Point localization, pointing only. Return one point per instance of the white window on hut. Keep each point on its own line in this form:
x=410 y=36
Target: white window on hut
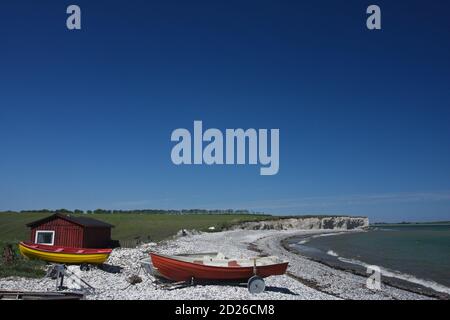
x=45 y=237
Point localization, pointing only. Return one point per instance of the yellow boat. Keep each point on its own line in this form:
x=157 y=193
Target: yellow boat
x=64 y=254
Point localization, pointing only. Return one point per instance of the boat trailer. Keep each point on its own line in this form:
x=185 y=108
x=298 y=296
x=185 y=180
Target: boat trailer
x=59 y=272
x=255 y=284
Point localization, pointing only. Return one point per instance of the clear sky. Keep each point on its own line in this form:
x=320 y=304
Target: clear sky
x=86 y=116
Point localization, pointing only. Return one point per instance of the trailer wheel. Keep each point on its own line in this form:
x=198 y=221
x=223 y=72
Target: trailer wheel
x=256 y=285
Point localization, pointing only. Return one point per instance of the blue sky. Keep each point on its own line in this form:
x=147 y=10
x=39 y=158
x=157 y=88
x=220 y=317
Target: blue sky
x=86 y=116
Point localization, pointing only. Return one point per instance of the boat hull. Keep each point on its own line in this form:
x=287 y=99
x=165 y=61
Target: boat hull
x=177 y=270
x=90 y=257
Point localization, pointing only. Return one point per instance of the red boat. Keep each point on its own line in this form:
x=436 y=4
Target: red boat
x=215 y=266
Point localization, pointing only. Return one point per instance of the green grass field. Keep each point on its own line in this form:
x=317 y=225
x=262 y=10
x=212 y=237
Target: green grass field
x=21 y=267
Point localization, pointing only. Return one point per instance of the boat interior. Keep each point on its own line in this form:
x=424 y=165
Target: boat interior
x=218 y=259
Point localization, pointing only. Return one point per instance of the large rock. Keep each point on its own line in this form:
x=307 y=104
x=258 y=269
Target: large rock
x=307 y=223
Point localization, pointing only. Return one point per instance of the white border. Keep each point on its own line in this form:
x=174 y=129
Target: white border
x=53 y=237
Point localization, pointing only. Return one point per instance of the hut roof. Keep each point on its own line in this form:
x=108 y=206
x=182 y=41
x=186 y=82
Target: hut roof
x=82 y=221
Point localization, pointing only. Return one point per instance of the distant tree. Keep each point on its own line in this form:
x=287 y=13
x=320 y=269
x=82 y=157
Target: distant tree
x=150 y=211
x=102 y=211
x=65 y=211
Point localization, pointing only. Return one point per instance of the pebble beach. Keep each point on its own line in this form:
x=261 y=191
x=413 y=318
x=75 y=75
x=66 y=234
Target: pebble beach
x=305 y=279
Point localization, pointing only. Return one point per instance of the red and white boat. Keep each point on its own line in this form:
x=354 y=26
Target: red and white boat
x=215 y=267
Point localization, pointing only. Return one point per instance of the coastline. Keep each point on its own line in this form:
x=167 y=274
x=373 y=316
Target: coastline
x=340 y=282
x=312 y=280
x=360 y=270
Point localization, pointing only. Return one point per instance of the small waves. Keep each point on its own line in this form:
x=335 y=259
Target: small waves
x=332 y=253
x=402 y=276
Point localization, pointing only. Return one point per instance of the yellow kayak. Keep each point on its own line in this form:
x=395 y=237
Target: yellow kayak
x=64 y=254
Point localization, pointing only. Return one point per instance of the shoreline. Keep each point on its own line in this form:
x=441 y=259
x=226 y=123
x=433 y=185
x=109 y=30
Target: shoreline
x=327 y=279
x=359 y=270
x=313 y=281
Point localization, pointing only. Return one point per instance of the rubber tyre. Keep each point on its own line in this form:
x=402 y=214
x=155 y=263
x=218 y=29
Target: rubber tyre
x=256 y=285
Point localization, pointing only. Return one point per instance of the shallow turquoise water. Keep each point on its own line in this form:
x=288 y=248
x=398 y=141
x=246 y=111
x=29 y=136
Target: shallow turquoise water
x=422 y=251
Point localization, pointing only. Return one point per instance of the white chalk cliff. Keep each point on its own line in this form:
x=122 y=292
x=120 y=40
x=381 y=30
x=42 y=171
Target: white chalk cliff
x=307 y=223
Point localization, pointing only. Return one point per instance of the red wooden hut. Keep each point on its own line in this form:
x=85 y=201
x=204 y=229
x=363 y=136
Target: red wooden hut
x=70 y=231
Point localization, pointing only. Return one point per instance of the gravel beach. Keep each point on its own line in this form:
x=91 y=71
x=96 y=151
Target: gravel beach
x=305 y=279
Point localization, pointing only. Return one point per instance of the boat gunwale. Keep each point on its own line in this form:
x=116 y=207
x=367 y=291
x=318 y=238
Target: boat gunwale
x=171 y=257
x=87 y=251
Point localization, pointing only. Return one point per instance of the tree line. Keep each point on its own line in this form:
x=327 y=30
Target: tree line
x=140 y=211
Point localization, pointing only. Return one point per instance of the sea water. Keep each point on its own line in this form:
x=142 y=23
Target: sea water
x=417 y=253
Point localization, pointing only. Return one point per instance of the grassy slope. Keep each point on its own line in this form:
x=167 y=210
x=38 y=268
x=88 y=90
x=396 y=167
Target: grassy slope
x=127 y=226
x=21 y=267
